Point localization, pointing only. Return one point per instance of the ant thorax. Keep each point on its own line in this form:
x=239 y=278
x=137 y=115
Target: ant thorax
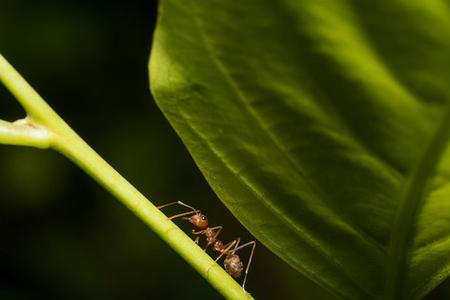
x=211 y=235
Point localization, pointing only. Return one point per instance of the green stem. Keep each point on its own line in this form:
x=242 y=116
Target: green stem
x=24 y=133
x=63 y=139
x=409 y=209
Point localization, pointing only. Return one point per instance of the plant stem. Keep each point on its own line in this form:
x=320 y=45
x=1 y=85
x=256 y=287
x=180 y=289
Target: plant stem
x=24 y=133
x=63 y=139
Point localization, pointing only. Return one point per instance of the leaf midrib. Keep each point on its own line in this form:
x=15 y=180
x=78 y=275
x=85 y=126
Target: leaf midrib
x=409 y=209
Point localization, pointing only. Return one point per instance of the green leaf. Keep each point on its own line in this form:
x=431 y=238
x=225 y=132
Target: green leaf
x=311 y=119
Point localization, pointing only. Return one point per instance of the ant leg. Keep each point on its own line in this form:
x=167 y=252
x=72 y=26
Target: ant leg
x=197 y=233
x=227 y=248
x=237 y=244
x=218 y=228
x=253 y=243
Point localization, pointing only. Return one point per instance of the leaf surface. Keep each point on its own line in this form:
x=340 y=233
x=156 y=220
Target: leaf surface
x=308 y=118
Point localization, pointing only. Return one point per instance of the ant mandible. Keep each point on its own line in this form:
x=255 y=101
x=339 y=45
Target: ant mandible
x=232 y=263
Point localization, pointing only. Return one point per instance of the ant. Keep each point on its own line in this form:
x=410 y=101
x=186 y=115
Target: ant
x=232 y=263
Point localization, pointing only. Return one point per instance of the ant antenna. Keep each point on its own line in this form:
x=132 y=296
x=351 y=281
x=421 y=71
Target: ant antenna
x=179 y=203
x=193 y=210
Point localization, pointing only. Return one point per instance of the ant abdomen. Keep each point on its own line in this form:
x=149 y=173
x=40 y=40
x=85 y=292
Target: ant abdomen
x=233 y=265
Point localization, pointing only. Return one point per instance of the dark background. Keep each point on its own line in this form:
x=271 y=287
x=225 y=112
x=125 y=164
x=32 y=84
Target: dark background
x=61 y=235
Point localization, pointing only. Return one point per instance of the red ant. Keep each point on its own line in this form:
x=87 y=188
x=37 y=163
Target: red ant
x=232 y=263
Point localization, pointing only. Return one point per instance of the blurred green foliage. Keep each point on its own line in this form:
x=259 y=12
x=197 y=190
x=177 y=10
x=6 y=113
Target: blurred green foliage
x=61 y=235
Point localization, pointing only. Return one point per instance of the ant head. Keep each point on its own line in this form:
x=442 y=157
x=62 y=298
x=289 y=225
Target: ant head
x=199 y=220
